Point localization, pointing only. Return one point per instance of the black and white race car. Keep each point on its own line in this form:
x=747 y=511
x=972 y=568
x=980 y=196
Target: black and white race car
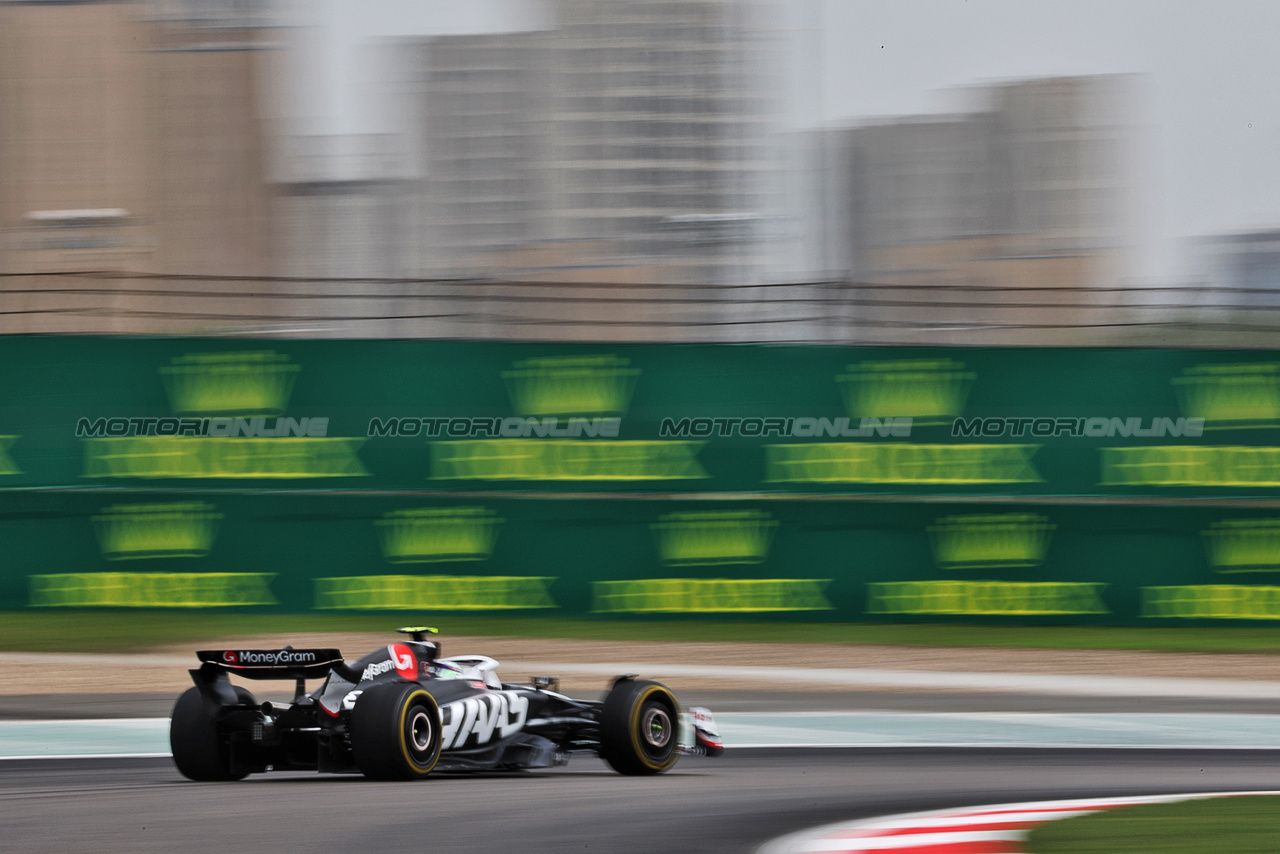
x=401 y=712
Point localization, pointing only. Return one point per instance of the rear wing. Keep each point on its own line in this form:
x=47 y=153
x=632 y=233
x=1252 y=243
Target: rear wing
x=287 y=663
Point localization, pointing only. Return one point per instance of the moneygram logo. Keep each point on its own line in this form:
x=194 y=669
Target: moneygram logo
x=402 y=661
x=271 y=658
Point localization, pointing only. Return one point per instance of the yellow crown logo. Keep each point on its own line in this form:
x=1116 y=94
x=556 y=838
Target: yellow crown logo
x=714 y=538
x=990 y=541
x=928 y=391
x=245 y=383
x=132 y=531
x=438 y=534
x=1231 y=396
x=571 y=385
x=1244 y=545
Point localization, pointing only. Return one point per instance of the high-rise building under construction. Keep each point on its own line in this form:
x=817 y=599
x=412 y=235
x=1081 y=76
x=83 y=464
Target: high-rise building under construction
x=631 y=135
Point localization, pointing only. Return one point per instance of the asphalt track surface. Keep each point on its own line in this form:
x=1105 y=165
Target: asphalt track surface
x=71 y=706
x=733 y=803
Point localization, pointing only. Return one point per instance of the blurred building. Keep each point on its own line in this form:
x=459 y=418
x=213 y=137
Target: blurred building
x=1249 y=259
x=1030 y=193
x=208 y=63
x=663 y=126
x=641 y=126
x=486 y=151
x=1044 y=167
x=617 y=175
x=345 y=209
x=74 y=180
x=919 y=182
x=131 y=139
x=345 y=212
x=1241 y=271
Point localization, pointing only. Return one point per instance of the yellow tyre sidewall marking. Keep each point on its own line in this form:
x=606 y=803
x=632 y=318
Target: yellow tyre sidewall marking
x=635 y=725
x=404 y=740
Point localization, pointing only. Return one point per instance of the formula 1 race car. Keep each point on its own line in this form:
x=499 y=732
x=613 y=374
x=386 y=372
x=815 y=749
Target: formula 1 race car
x=401 y=712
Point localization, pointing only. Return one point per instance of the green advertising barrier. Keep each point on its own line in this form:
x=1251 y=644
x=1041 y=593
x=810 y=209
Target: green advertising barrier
x=471 y=417
x=643 y=558
x=641 y=480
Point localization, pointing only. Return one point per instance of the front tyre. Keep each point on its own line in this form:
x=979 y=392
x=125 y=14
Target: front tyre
x=638 y=733
x=200 y=750
x=395 y=732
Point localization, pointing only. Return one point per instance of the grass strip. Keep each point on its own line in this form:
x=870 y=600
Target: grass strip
x=1239 y=825
x=130 y=630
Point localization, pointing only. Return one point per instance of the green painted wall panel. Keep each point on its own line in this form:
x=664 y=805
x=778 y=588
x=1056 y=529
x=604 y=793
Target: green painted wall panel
x=739 y=418
x=279 y=474
x=818 y=560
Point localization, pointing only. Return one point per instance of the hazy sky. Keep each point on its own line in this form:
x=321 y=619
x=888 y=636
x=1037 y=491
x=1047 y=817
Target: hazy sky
x=1208 y=99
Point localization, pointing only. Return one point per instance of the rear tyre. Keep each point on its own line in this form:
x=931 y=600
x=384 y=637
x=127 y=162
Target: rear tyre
x=638 y=733
x=200 y=750
x=395 y=732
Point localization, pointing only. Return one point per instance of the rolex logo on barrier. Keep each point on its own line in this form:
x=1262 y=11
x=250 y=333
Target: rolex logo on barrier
x=991 y=541
x=438 y=534
x=931 y=391
x=710 y=595
x=434 y=592
x=714 y=538
x=133 y=531
x=242 y=383
x=571 y=385
x=987 y=598
x=151 y=589
x=1244 y=545
x=1212 y=602
x=1231 y=396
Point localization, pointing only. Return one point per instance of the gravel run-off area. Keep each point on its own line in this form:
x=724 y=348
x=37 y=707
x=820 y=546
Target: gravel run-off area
x=165 y=669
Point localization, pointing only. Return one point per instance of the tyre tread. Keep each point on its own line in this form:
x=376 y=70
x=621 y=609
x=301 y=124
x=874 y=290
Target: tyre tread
x=199 y=751
x=376 y=739
x=617 y=745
